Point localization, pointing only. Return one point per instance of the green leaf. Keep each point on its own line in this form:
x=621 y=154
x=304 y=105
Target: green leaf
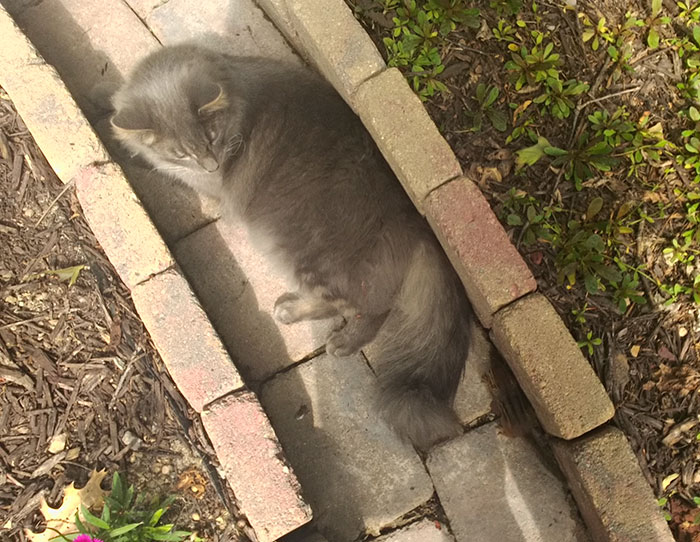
x=492 y=95
x=124 y=529
x=555 y=151
x=514 y=220
x=594 y=207
x=653 y=38
x=93 y=520
x=693 y=113
x=530 y=155
x=498 y=119
x=655 y=7
x=69 y=274
x=696 y=34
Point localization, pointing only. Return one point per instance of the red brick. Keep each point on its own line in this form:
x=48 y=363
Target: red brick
x=493 y=272
x=613 y=496
x=186 y=340
x=564 y=391
x=264 y=485
x=120 y=224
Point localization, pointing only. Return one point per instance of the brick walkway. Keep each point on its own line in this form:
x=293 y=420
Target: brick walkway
x=354 y=472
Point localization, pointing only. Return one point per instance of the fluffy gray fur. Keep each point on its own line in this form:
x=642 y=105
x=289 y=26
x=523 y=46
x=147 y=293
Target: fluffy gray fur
x=284 y=153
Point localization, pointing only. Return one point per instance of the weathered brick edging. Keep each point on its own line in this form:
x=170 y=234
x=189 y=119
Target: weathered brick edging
x=569 y=399
x=269 y=494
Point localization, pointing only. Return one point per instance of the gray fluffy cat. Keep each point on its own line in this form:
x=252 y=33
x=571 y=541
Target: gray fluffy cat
x=284 y=153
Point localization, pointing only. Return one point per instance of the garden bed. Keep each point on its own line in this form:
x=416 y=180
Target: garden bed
x=82 y=385
x=580 y=127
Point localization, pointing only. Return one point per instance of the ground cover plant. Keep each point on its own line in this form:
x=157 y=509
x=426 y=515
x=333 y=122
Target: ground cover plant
x=581 y=123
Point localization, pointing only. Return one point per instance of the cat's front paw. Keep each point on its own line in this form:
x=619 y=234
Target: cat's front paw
x=285 y=310
x=340 y=344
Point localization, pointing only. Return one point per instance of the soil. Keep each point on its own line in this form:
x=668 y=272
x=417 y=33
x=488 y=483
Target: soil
x=81 y=385
x=648 y=357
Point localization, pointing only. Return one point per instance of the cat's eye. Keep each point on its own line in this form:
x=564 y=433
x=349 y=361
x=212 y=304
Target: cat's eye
x=179 y=154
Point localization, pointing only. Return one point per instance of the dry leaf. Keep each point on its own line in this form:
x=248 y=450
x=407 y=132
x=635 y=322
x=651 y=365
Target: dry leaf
x=635 y=350
x=667 y=481
x=62 y=519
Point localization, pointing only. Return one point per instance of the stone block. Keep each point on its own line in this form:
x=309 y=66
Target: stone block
x=73 y=36
x=335 y=42
x=120 y=224
x=493 y=487
x=565 y=392
x=613 y=496
x=265 y=487
x=421 y=531
x=238 y=287
x=46 y=107
x=356 y=473
x=190 y=348
x=493 y=272
x=406 y=135
x=473 y=399
x=236 y=27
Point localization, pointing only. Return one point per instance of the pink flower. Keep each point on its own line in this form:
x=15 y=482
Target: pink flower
x=86 y=538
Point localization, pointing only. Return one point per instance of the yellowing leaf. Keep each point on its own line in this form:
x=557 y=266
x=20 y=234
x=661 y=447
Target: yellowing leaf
x=667 y=481
x=69 y=274
x=62 y=519
x=635 y=350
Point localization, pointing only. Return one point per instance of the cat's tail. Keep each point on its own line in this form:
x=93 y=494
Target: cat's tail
x=420 y=352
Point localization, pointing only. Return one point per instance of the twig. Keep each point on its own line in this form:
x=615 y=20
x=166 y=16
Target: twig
x=55 y=200
x=608 y=96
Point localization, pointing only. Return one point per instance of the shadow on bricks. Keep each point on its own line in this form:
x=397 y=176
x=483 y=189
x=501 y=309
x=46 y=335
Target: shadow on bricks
x=90 y=74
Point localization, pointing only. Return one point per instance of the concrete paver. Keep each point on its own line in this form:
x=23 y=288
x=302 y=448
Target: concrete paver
x=186 y=340
x=265 y=487
x=356 y=474
x=610 y=489
x=406 y=135
x=473 y=398
x=493 y=487
x=231 y=26
x=349 y=55
x=566 y=394
x=493 y=272
x=421 y=531
x=72 y=36
x=125 y=231
x=238 y=288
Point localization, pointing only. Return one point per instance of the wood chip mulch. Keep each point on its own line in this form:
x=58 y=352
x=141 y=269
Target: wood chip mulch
x=81 y=385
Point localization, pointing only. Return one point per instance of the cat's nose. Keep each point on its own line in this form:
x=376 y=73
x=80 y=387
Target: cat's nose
x=208 y=163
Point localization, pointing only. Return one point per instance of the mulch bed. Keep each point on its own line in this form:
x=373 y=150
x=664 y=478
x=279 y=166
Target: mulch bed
x=81 y=385
x=649 y=357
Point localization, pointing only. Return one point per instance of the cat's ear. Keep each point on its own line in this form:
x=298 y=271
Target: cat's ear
x=209 y=97
x=128 y=123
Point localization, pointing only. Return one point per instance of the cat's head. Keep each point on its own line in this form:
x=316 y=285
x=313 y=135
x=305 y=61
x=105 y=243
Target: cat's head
x=174 y=120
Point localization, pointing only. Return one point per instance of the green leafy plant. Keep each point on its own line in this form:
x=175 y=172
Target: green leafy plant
x=615 y=129
x=597 y=33
x=590 y=342
x=127 y=517
x=654 y=22
x=418 y=34
x=533 y=66
x=689 y=10
x=486 y=97
x=557 y=96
